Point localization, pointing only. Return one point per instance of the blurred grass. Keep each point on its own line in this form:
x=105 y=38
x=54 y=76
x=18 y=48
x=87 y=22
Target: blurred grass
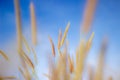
x=64 y=67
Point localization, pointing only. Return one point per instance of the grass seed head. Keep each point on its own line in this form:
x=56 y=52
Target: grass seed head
x=33 y=24
x=59 y=38
x=65 y=34
x=52 y=45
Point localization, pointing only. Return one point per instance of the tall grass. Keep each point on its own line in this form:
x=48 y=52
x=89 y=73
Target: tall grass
x=64 y=67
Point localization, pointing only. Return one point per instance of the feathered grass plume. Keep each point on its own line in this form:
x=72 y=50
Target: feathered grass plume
x=63 y=66
x=26 y=63
x=89 y=42
x=33 y=24
x=88 y=15
x=71 y=64
x=80 y=65
x=18 y=24
x=59 y=38
x=65 y=34
x=52 y=45
x=99 y=72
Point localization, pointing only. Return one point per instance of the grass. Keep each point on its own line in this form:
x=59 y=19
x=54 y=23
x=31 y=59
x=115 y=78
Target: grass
x=64 y=67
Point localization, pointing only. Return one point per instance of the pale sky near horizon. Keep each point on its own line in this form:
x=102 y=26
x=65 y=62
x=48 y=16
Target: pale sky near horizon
x=51 y=15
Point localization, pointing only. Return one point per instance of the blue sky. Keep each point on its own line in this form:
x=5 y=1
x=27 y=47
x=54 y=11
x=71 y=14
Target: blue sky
x=51 y=15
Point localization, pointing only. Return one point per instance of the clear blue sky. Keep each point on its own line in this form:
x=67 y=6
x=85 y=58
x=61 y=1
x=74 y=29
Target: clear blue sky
x=51 y=15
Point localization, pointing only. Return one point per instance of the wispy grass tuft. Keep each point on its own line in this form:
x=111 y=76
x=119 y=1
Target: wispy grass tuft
x=63 y=66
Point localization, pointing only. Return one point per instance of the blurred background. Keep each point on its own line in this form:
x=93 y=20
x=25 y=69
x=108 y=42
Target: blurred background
x=51 y=15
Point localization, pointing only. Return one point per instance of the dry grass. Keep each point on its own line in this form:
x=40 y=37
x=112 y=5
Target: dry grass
x=52 y=45
x=33 y=24
x=26 y=44
x=7 y=78
x=99 y=71
x=71 y=64
x=4 y=55
x=35 y=56
x=88 y=15
x=59 y=38
x=27 y=64
x=18 y=24
x=63 y=66
x=65 y=34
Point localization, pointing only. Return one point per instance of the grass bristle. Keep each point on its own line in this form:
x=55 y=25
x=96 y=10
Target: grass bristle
x=26 y=44
x=35 y=56
x=4 y=55
x=27 y=60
